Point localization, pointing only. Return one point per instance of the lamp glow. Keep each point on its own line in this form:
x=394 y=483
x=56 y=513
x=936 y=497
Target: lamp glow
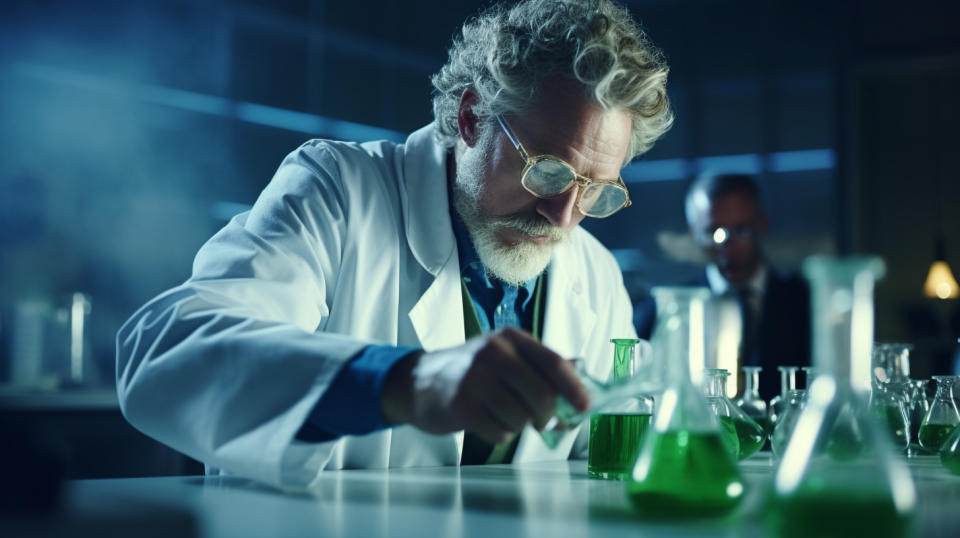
x=940 y=282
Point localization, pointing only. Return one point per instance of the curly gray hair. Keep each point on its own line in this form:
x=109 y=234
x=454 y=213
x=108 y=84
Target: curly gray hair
x=505 y=53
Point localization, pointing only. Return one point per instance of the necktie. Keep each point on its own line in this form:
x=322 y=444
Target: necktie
x=748 y=341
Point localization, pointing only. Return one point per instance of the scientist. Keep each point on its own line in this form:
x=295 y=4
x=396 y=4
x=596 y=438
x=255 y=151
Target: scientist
x=380 y=299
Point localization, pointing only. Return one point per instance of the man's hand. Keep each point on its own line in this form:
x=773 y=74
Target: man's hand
x=492 y=385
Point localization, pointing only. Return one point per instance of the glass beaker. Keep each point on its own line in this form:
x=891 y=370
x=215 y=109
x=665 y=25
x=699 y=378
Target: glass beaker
x=683 y=470
x=751 y=403
x=942 y=417
x=839 y=476
x=788 y=382
x=745 y=436
x=794 y=402
x=616 y=433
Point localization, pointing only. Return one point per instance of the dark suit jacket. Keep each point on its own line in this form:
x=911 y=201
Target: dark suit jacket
x=783 y=332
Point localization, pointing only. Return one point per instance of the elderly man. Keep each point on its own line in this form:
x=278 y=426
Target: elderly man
x=381 y=299
x=725 y=217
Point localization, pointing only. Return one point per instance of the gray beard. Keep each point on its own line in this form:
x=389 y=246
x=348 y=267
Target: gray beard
x=513 y=264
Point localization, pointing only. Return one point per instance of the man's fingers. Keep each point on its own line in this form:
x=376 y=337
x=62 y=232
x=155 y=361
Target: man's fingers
x=532 y=389
x=484 y=424
x=551 y=366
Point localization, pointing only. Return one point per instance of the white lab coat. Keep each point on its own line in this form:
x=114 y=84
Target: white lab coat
x=348 y=245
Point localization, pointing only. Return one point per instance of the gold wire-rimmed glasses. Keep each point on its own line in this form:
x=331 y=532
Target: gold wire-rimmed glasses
x=546 y=176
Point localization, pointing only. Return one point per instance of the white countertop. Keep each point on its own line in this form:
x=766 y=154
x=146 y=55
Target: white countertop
x=549 y=499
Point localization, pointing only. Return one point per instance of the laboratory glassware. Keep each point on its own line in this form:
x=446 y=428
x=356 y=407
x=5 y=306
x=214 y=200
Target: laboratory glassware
x=793 y=406
x=751 y=403
x=788 y=382
x=744 y=436
x=617 y=432
x=839 y=475
x=942 y=417
x=684 y=470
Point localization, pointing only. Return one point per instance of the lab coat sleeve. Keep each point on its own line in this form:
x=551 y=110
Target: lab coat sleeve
x=226 y=367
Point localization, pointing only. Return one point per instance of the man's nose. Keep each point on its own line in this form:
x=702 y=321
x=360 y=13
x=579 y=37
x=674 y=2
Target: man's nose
x=561 y=210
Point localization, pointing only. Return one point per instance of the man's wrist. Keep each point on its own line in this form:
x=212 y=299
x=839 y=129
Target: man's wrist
x=396 y=399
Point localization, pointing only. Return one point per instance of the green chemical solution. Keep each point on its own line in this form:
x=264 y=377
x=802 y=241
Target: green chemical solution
x=764 y=423
x=751 y=436
x=686 y=475
x=897 y=427
x=932 y=436
x=836 y=512
x=615 y=441
x=845 y=442
x=950 y=452
x=728 y=433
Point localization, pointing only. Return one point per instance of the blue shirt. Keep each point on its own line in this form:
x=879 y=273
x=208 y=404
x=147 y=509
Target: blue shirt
x=351 y=404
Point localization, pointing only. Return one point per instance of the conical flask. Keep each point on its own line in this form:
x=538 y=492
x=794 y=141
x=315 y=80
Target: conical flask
x=788 y=382
x=942 y=417
x=747 y=436
x=839 y=475
x=950 y=452
x=751 y=403
x=616 y=433
x=792 y=409
x=683 y=470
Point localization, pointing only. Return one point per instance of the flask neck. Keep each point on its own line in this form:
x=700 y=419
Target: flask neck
x=788 y=380
x=751 y=384
x=715 y=384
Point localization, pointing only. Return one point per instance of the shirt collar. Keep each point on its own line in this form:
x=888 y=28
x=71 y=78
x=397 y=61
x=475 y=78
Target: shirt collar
x=719 y=285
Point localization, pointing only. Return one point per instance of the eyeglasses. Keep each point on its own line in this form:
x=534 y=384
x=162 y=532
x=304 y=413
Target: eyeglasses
x=721 y=236
x=546 y=176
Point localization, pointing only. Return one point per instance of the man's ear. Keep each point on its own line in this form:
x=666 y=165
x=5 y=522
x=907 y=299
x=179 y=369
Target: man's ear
x=467 y=120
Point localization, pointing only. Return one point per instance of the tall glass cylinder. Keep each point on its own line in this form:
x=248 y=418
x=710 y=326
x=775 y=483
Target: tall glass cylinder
x=839 y=475
x=616 y=433
x=684 y=470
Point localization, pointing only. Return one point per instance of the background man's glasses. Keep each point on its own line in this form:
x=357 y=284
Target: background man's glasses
x=546 y=176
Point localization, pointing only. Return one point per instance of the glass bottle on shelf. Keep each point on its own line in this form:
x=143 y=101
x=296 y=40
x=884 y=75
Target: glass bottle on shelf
x=788 y=382
x=942 y=417
x=743 y=435
x=839 y=475
x=751 y=403
x=795 y=400
x=616 y=433
x=683 y=470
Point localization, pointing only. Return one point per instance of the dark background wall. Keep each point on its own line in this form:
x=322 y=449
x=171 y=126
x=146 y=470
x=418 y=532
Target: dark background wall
x=132 y=130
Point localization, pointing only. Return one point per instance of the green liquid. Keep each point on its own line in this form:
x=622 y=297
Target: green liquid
x=845 y=442
x=836 y=513
x=728 y=433
x=751 y=435
x=615 y=441
x=897 y=427
x=764 y=423
x=932 y=436
x=950 y=452
x=685 y=475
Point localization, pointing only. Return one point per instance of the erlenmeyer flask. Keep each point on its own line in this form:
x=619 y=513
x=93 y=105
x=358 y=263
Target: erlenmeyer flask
x=788 y=382
x=839 y=476
x=795 y=400
x=942 y=417
x=744 y=434
x=950 y=452
x=683 y=470
x=751 y=403
x=889 y=404
x=919 y=407
x=616 y=433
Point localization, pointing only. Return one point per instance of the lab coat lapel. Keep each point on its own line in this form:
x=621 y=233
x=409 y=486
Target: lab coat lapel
x=568 y=324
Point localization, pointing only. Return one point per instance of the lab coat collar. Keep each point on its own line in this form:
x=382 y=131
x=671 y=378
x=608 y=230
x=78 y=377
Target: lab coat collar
x=423 y=198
